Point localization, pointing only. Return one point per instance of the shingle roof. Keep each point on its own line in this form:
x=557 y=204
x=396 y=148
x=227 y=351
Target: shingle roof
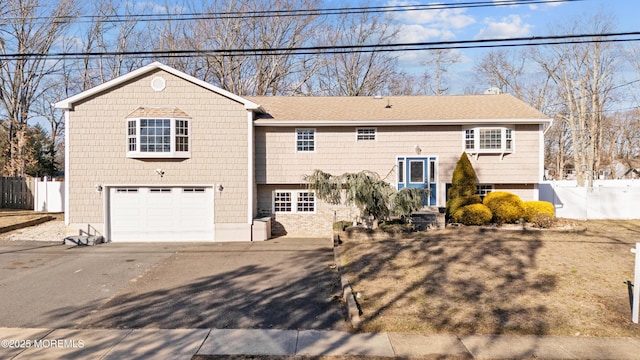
x=396 y=108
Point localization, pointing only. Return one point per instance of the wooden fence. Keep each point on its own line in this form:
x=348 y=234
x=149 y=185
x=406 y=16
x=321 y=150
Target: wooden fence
x=17 y=193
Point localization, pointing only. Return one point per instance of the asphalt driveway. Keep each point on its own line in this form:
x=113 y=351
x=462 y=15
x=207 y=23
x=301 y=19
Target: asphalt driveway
x=277 y=284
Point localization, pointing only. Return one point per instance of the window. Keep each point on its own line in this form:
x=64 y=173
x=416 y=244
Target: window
x=158 y=191
x=306 y=202
x=432 y=170
x=488 y=140
x=282 y=201
x=291 y=201
x=366 y=134
x=483 y=190
x=416 y=171
x=400 y=171
x=154 y=138
x=469 y=140
x=305 y=139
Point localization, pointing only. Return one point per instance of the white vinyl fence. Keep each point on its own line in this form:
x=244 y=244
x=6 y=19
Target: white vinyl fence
x=48 y=196
x=607 y=199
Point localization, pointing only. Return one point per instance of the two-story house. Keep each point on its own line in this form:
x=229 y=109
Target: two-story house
x=158 y=155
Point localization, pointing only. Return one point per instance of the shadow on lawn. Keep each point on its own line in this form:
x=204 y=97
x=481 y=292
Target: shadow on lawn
x=300 y=292
x=461 y=282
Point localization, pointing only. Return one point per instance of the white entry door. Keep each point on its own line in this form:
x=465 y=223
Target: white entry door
x=161 y=214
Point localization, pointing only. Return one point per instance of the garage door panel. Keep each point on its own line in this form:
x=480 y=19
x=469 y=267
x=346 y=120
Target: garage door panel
x=161 y=214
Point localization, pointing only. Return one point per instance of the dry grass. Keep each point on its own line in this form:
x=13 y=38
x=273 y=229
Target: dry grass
x=483 y=281
x=11 y=217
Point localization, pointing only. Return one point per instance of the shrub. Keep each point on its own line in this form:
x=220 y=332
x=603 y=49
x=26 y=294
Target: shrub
x=463 y=180
x=533 y=208
x=342 y=225
x=454 y=204
x=543 y=220
x=505 y=207
x=475 y=214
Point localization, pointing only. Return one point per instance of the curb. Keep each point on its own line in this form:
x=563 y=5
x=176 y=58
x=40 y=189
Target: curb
x=25 y=224
x=353 y=311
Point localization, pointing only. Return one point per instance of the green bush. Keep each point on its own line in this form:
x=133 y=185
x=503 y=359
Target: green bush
x=475 y=214
x=463 y=180
x=505 y=207
x=454 y=204
x=533 y=208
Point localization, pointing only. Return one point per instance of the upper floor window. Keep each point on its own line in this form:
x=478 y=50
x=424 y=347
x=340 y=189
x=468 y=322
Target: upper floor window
x=365 y=134
x=158 y=138
x=489 y=139
x=305 y=139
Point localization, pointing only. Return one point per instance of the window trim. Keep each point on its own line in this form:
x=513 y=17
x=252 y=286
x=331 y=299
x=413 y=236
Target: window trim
x=472 y=134
x=137 y=154
x=298 y=149
x=294 y=196
x=366 y=137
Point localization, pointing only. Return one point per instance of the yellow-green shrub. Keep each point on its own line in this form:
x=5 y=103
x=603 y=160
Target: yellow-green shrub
x=505 y=206
x=454 y=204
x=475 y=214
x=533 y=208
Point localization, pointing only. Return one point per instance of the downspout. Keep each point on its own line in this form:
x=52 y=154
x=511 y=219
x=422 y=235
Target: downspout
x=66 y=166
x=250 y=172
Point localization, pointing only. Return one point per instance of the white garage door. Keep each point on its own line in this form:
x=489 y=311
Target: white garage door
x=161 y=213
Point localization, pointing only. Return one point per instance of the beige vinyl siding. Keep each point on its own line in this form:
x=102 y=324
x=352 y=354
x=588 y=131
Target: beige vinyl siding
x=98 y=145
x=337 y=151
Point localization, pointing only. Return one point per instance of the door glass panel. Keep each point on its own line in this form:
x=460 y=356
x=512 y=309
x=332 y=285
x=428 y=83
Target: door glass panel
x=416 y=172
x=432 y=171
x=400 y=171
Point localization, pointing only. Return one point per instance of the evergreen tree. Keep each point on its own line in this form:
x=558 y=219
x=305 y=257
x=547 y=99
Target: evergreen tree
x=463 y=182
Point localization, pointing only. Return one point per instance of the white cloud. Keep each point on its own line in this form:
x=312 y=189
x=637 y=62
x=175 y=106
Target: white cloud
x=418 y=33
x=510 y=26
x=449 y=18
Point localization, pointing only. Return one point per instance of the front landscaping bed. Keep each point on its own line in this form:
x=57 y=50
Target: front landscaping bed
x=472 y=280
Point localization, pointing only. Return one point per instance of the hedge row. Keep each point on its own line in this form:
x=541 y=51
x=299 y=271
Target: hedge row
x=500 y=207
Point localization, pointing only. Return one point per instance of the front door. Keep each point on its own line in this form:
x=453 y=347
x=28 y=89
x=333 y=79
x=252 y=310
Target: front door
x=418 y=172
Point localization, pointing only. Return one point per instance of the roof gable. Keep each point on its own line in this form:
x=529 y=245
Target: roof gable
x=68 y=104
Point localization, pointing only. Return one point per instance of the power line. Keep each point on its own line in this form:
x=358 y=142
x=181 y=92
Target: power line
x=117 y=18
x=339 y=49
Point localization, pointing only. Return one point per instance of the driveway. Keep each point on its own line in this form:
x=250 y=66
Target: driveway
x=279 y=284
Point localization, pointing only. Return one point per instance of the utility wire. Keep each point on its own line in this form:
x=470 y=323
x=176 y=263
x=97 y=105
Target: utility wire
x=338 y=49
x=117 y=18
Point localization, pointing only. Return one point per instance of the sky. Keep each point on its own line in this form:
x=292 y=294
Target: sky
x=500 y=22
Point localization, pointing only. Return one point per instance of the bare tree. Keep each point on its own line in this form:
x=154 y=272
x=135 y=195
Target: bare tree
x=279 y=73
x=31 y=27
x=438 y=62
x=583 y=74
x=355 y=73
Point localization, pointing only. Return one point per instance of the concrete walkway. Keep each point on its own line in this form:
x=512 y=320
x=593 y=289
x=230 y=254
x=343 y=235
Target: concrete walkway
x=20 y=343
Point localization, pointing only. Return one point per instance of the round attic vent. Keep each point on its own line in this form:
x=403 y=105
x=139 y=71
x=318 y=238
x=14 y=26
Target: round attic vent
x=158 y=83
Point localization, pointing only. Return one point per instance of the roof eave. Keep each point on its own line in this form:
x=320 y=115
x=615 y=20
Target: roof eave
x=273 y=122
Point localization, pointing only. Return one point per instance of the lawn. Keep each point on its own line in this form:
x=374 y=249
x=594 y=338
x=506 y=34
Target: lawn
x=469 y=280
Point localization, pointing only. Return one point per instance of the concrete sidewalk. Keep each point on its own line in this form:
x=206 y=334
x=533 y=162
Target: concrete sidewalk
x=20 y=343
